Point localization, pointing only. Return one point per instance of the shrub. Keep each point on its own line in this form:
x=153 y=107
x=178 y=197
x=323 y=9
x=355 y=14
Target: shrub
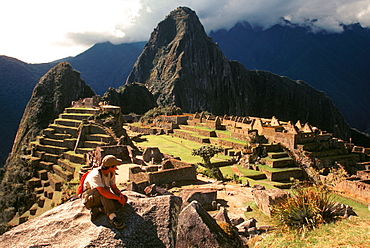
x=206 y=153
x=305 y=209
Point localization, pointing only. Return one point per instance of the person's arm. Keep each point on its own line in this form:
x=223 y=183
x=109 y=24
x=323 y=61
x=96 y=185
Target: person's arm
x=108 y=194
x=123 y=198
x=115 y=189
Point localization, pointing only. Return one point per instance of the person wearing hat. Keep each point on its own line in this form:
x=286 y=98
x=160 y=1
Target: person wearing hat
x=101 y=194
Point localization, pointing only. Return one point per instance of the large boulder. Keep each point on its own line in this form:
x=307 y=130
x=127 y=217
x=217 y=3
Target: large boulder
x=266 y=198
x=151 y=222
x=206 y=197
x=196 y=228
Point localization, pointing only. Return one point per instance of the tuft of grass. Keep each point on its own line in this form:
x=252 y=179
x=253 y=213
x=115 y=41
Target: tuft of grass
x=305 y=209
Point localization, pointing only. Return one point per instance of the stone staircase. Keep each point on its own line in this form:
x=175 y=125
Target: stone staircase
x=58 y=160
x=277 y=164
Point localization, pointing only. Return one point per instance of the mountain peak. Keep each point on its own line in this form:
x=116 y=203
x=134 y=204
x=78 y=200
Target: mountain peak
x=55 y=91
x=181 y=66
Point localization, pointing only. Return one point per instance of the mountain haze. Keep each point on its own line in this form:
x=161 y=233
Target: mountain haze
x=182 y=66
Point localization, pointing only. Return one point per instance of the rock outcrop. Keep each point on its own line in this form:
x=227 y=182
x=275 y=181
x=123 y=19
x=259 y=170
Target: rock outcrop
x=151 y=222
x=182 y=66
x=132 y=98
x=198 y=229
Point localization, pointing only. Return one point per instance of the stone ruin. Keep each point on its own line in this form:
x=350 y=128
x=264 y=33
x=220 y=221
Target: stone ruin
x=94 y=158
x=280 y=144
x=206 y=197
x=169 y=171
x=358 y=186
x=153 y=155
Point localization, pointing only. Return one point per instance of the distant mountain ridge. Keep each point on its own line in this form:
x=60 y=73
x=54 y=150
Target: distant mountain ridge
x=336 y=63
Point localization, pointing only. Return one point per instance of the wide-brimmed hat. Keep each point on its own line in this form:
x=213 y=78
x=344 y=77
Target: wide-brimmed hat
x=110 y=160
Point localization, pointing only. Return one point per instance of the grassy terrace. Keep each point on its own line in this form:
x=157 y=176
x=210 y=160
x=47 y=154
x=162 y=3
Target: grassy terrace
x=177 y=147
x=248 y=172
x=270 y=169
x=235 y=141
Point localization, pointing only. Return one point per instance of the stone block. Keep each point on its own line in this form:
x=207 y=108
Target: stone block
x=34 y=183
x=41 y=202
x=196 y=228
x=205 y=197
x=265 y=199
x=33 y=211
x=43 y=174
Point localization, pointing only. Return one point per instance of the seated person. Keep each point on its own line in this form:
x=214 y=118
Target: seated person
x=101 y=194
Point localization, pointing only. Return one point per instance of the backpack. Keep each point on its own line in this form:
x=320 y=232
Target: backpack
x=80 y=189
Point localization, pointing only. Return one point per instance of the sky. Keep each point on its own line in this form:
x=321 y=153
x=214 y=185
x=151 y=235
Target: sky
x=40 y=31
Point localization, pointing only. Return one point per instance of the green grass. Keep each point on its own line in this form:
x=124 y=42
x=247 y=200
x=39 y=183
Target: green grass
x=203 y=128
x=177 y=147
x=248 y=172
x=353 y=232
x=227 y=171
x=268 y=168
x=81 y=114
x=235 y=141
x=223 y=131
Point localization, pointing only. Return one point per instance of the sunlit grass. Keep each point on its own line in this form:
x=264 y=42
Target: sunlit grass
x=177 y=147
x=352 y=232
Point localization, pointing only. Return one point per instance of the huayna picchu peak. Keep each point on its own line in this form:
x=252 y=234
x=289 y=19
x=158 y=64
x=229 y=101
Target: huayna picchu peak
x=183 y=67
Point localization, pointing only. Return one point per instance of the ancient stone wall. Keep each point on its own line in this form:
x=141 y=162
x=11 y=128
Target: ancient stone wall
x=227 y=143
x=189 y=136
x=358 y=188
x=288 y=139
x=120 y=151
x=239 y=133
x=152 y=153
x=181 y=120
x=172 y=175
x=179 y=171
x=167 y=125
x=146 y=130
x=136 y=174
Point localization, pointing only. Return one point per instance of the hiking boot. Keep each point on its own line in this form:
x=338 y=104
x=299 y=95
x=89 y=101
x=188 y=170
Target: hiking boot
x=95 y=212
x=118 y=224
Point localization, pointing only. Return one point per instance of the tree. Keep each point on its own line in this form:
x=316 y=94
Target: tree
x=206 y=153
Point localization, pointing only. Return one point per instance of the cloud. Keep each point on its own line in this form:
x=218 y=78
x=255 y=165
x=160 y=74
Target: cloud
x=42 y=30
x=320 y=15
